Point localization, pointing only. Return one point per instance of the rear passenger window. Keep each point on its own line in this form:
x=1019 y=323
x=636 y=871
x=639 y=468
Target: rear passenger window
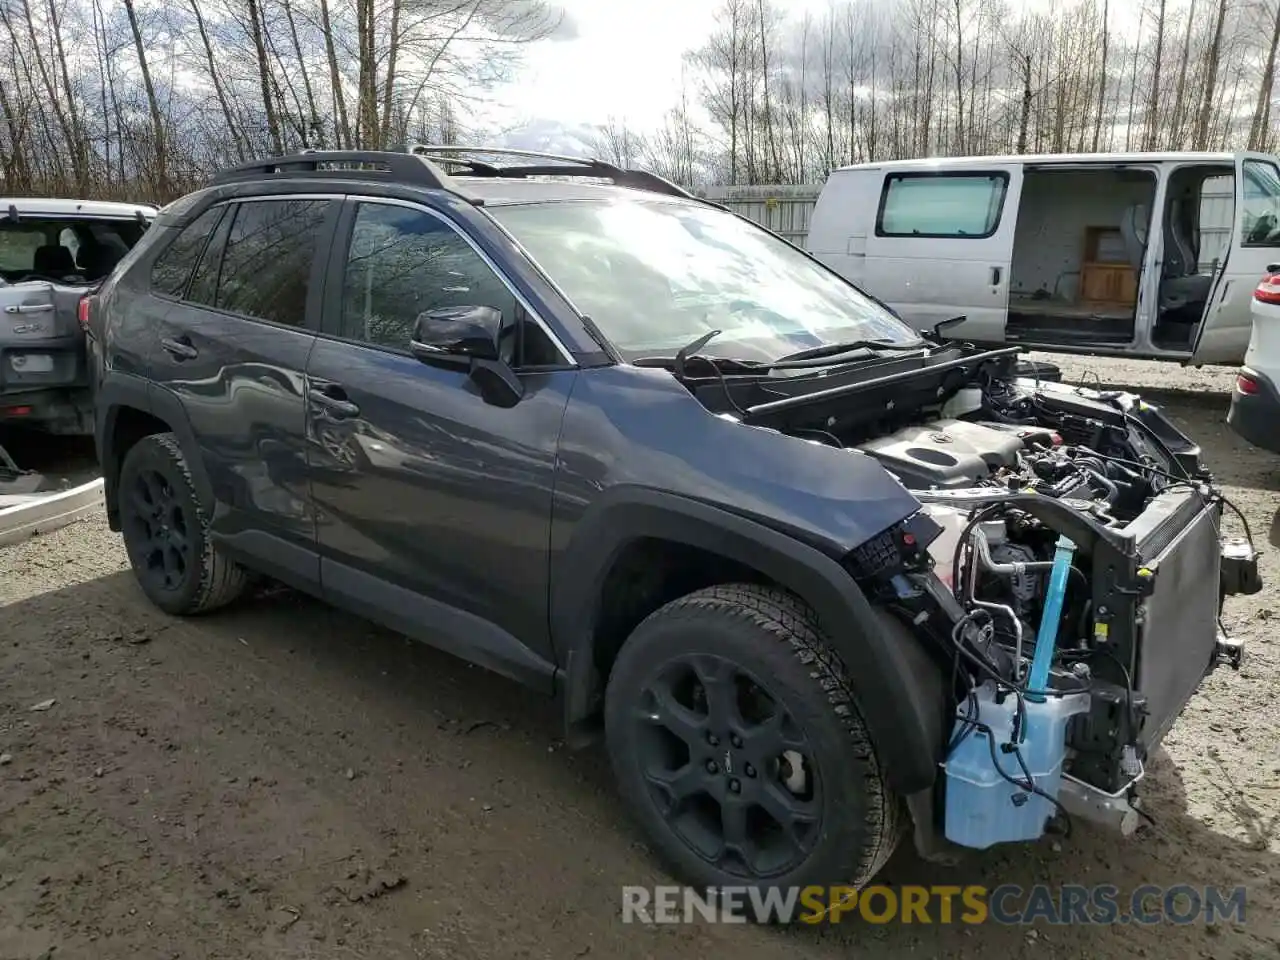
x=267 y=260
x=941 y=205
x=172 y=268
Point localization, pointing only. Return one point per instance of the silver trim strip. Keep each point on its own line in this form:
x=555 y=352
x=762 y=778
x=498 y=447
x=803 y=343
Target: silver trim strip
x=506 y=282
x=251 y=197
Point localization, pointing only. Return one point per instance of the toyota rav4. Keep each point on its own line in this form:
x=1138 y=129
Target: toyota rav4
x=819 y=582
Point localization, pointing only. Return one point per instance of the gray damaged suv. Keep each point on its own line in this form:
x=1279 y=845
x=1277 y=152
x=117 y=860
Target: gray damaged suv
x=819 y=580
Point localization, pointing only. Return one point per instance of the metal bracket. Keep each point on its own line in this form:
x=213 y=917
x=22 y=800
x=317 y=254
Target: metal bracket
x=1229 y=650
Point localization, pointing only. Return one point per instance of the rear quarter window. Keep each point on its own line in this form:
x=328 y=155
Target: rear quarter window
x=172 y=268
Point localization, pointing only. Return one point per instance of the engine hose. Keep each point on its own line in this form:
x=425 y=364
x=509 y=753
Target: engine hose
x=1082 y=628
x=963 y=541
x=1113 y=493
x=1001 y=417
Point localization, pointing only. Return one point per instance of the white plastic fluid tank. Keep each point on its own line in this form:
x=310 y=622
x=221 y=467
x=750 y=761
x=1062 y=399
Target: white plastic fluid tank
x=943 y=549
x=966 y=400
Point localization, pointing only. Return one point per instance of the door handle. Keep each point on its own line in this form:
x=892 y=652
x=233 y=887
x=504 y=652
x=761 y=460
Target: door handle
x=28 y=308
x=179 y=348
x=334 y=407
x=995 y=276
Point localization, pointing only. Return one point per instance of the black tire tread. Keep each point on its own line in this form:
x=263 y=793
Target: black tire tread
x=793 y=622
x=222 y=580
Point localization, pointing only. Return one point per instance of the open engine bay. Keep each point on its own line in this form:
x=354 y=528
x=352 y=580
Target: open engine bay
x=1066 y=562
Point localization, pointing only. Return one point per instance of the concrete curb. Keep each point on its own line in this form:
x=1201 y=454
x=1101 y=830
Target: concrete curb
x=47 y=513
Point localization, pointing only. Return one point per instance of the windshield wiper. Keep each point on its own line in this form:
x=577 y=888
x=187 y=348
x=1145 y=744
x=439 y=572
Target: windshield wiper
x=691 y=348
x=825 y=355
x=848 y=346
x=689 y=352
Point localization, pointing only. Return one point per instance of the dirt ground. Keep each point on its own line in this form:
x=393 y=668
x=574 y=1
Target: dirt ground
x=281 y=780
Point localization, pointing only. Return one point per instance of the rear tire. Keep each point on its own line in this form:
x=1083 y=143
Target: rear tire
x=166 y=533
x=711 y=778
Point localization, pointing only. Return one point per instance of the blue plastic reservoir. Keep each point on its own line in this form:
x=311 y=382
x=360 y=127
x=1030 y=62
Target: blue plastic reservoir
x=1051 y=617
x=983 y=807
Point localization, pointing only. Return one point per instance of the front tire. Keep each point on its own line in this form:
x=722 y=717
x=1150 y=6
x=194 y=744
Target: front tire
x=736 y=740
x=166 y=533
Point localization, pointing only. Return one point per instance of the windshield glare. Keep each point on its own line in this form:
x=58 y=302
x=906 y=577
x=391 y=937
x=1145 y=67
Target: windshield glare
x=655 y=275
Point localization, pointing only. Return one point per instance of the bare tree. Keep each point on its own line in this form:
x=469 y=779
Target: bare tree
x=153 y=103
x=1212 y=67
x=1102 y=74
x=1260 y=129
x=1177 y=119
x=1153 y=96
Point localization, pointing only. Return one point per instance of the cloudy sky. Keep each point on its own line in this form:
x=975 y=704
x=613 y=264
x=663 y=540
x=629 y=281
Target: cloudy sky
x=622 y=59
x=612 y=58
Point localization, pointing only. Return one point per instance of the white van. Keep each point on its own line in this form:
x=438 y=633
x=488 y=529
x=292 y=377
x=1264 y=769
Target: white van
x=1144 y=254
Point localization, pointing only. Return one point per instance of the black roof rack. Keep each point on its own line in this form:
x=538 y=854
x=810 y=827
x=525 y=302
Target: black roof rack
x=559 y=166
x=378 y=165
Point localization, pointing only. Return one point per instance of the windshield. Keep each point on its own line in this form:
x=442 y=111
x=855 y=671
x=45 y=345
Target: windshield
x=655 y=275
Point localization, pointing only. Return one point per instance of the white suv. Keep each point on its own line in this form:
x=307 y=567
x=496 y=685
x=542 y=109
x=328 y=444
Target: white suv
x=1255 y=401
x=53 y=254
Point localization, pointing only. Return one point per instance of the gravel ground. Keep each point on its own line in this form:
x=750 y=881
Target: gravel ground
x=281 y=780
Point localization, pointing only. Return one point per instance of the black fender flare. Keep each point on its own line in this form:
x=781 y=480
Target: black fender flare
x=900 y=690
x=120 y=391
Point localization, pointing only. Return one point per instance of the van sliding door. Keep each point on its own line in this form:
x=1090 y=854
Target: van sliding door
x=942 y=246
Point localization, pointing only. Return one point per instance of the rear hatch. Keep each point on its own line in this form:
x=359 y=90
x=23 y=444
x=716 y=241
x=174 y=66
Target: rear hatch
x=39 y=336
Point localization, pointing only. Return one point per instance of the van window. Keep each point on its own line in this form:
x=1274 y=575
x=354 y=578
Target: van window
x=965 y=205
x=1260 y=226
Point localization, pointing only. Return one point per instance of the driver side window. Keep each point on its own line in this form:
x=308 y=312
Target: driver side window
x=403 y=262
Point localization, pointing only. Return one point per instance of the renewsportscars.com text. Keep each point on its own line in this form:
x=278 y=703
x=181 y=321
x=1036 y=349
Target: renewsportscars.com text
x=941 y=904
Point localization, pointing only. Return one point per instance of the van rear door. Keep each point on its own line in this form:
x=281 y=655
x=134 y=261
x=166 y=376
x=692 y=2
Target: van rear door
x=942 y=246
x=1255 y=244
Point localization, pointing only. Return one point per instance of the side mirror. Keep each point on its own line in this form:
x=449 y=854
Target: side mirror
x=456 y=332
x=452 y=336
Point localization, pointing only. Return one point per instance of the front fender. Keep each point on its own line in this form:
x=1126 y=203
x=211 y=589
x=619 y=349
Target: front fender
x=900 y=691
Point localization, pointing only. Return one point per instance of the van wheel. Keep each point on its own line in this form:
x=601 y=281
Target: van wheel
x=166 y=534
x=736 y=740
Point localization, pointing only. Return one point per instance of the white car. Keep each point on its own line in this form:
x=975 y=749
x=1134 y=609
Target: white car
x=1255 y=401
x=53 y=254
